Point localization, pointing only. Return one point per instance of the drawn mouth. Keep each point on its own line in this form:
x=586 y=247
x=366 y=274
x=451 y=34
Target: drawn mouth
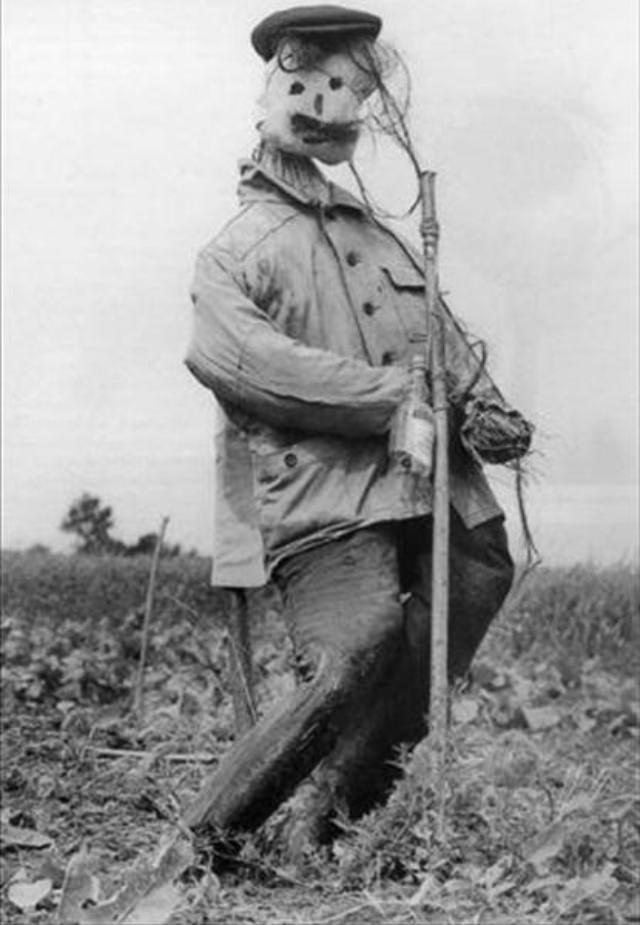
x=313 y=131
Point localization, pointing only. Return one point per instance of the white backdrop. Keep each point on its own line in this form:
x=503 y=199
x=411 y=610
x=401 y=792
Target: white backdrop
x=123 y=123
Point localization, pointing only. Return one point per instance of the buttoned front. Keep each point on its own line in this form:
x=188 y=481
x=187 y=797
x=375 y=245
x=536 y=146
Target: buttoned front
x=303 y=329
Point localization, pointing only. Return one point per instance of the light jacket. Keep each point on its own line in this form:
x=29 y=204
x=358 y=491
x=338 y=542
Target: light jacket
x=305 y=307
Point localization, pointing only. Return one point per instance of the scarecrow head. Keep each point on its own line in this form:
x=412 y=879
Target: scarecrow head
x=319 y=74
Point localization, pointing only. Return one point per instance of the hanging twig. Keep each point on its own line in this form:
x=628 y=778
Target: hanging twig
x=148 y=607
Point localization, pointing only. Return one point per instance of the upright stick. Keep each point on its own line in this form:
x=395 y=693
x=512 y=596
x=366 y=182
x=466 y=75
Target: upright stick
x=148 y=607
x=241 y=680
x=440 y=549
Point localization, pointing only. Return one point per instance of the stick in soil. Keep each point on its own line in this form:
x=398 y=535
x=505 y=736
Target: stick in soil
x=438 y=688
x=148 y=607
x=241 y=680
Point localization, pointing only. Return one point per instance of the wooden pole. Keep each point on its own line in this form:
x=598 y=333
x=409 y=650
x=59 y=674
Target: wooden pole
x=148 y=607
x=241 y=679
x=438 y=692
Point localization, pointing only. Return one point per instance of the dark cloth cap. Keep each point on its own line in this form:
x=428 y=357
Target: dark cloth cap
x=320 y=22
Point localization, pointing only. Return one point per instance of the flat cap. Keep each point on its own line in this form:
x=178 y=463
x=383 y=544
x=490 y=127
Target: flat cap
x=320 y=22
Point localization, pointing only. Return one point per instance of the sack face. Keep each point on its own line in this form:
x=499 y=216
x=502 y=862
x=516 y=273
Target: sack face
x=313 y=98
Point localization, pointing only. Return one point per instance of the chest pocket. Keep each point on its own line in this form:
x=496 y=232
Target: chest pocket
x=405 y=292
x=403 y=277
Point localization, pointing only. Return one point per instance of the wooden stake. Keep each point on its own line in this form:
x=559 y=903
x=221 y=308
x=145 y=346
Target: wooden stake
x=241 y=680
x=148 y=607
x=438 y=691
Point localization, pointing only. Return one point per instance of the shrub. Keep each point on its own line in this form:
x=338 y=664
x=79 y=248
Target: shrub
x=578 y=612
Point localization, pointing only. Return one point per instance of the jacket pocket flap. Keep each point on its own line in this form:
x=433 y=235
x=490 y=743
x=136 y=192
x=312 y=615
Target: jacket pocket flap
x=404 y=277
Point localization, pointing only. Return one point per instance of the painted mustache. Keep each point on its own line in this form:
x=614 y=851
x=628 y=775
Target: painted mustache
x=313 y=131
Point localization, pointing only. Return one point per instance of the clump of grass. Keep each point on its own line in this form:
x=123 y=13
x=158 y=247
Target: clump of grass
x=533 y=832
x=578 y=612
x=543 y=822
x=51 y=588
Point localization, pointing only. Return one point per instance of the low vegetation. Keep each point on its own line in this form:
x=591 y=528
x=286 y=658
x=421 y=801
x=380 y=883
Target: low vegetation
x=543 y=808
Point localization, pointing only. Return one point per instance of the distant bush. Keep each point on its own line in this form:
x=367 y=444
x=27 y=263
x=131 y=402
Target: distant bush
x=72 y=625
x=54 y=588
x=580 y=611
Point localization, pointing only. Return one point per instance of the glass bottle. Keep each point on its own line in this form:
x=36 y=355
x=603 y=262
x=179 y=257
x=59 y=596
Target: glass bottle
x=413 y=431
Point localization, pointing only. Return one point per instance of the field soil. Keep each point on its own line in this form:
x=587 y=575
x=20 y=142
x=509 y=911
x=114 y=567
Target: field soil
x=543 y=801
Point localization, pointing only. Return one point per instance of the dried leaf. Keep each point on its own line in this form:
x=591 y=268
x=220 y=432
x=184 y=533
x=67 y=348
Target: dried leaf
x=27 y=895
x=506 y=712
x=524 y=689
x=157 y=906
x=505 y=886
x=546 y=846
x=464 y=710
x=580 y=803
x=583 y=721
x=79 y=886
x=428 y=891
x=173 y=855
x=52 y=867
x=495 y=879
x=209 y=888
x=544 y=884
x=21 y=874
x=490 y=917
x=486 y=676
x=539 y=718
x=24 y=838
x=497 y=871
x=622 y=808
x=513 y=765
x=581 y=888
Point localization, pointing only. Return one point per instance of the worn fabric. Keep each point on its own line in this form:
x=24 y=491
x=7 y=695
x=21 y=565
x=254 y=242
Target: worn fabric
x=362 y=766
x=345 y=617
x=312 y=101
x=362 y=666
x=304 y=312
x=323 y=23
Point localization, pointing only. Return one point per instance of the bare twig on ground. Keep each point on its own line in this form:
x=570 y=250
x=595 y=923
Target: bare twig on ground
x=177 y=757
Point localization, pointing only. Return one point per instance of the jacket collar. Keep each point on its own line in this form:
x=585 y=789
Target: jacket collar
x=295 y=176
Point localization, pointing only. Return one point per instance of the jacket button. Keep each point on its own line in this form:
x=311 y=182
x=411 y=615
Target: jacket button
x=368 y=308
x=353 y=258
x=388 y=357
x=290 y=460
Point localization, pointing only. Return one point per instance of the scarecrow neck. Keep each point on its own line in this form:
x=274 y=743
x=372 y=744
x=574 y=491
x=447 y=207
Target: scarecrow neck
x=294 y=170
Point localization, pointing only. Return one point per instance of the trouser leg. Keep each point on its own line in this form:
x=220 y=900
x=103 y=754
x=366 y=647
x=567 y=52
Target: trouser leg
x=363 y=764
x=480 y=575
x=345 y=618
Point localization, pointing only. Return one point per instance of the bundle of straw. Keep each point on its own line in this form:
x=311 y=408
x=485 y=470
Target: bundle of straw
x=494 y=433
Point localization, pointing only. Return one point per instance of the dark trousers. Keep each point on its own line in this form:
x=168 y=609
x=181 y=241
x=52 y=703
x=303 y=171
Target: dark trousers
x=362 y=658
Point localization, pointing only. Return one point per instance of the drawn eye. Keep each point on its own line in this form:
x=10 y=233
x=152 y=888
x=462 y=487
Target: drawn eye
x=296 y=88
x=335 y=83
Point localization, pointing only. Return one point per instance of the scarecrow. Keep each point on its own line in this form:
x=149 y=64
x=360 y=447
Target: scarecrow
x=308 y=314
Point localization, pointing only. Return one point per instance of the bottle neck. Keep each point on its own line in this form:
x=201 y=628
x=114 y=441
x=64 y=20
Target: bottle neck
x=417 y=371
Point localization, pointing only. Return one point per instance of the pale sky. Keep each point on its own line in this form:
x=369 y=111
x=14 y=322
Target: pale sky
x=123 y=123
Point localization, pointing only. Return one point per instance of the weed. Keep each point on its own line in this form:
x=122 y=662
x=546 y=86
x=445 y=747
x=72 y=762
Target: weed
x=543 y=810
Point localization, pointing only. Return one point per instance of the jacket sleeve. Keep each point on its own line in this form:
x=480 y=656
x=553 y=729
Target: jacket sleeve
x=239 y=353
